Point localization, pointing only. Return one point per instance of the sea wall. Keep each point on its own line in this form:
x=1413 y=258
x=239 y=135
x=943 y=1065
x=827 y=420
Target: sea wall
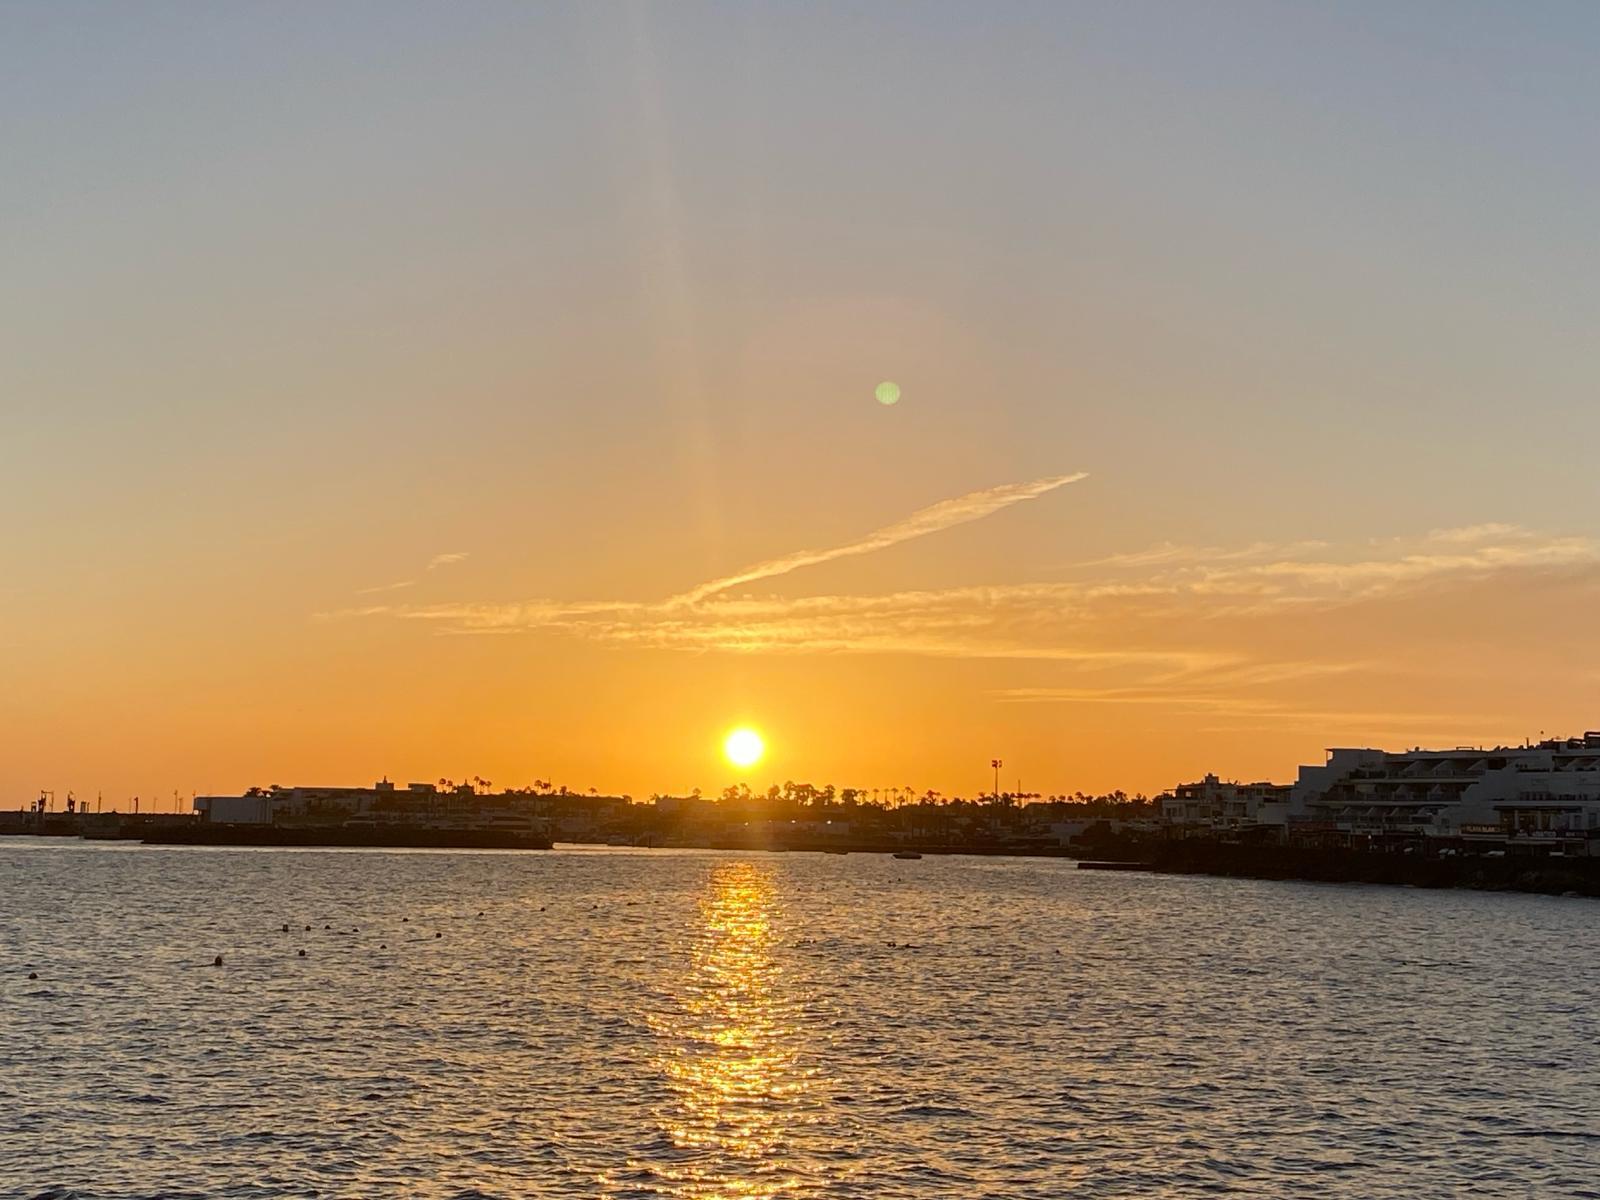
x=1514 y=873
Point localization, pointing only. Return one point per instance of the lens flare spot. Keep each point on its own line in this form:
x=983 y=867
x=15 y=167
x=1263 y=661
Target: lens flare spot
x=888 y=393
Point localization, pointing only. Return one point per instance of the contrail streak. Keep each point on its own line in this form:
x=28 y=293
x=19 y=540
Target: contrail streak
x=936 y=517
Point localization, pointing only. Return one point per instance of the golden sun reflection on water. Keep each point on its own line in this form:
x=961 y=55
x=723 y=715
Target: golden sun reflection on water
x=729 y=1054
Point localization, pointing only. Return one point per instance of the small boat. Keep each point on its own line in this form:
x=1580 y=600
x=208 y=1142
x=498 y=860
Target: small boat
x=906 y=854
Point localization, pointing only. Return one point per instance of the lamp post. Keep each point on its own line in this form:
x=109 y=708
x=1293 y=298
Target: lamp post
x=996 y=764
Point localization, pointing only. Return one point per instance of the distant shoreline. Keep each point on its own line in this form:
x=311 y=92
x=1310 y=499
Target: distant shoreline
x=1535 y=874
x=1547 y=875
x=166 y=830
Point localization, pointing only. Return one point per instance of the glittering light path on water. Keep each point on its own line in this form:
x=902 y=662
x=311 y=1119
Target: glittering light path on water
x=730 y=1053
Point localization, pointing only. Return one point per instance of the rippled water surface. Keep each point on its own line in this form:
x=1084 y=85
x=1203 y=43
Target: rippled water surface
x=637 y=1024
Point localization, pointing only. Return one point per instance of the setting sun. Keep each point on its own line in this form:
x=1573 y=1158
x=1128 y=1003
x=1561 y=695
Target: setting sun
x=744 y=747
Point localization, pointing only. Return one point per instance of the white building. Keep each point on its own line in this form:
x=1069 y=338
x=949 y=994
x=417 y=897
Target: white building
x=1540 y=796
x=235 y=810
x=1211 y=806
x=384 y=803
x=266 y=806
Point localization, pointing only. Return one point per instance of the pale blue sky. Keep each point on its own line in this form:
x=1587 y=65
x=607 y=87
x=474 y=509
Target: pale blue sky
x=1369 y=224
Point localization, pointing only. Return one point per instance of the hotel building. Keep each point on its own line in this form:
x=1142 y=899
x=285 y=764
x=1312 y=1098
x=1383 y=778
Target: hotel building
x=1543 y=796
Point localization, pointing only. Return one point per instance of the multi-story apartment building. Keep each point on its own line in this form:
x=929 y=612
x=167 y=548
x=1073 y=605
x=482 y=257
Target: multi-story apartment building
x=1544 y=795
x=1211 y=806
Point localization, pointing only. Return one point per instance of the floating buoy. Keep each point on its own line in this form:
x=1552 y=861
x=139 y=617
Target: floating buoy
x=404 y=919
x=438 y=935
x=480 y=914
x=33 y=974
x=302 y=954
x=308 y=929
x=383 y=945
x=217 y=961
x=327 y=926
x=286 y=927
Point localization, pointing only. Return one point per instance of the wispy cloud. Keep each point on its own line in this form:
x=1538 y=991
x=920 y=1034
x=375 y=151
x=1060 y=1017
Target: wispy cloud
x=1027 y=622
x=386 y=587
x=1248 y=707
x=1159 y=615
x=936 y=517
x=1488 y=531
x=1281 y=635
x=1176 y=554
x=434 y=563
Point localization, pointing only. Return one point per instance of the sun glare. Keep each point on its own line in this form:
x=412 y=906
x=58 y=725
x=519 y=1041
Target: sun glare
x=744 y=747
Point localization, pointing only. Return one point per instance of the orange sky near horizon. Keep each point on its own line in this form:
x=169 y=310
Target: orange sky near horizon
x=414 y=392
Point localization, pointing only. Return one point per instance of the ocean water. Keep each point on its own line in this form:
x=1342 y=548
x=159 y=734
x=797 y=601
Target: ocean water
x=656 y=1023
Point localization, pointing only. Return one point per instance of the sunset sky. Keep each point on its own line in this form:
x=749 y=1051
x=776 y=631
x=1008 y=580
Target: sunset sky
x=488 y=389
